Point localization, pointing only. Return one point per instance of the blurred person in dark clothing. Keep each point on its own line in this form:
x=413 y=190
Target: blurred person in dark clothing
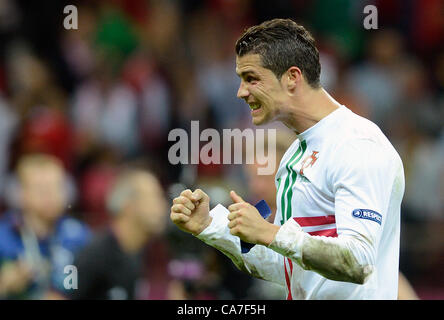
x=111 y=265
x=38 y=241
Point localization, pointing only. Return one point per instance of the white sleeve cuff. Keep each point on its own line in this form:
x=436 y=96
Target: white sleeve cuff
x=219 y=222
x=289 y=241
x=260 y=262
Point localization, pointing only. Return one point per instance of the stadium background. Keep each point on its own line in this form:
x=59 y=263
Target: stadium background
x=109 y=93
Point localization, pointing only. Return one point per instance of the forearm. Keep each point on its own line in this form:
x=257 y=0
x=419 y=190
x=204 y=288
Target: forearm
x=261 y=262
x=348 y=259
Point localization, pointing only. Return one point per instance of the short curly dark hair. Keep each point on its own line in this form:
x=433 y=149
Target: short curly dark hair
x=282 y=43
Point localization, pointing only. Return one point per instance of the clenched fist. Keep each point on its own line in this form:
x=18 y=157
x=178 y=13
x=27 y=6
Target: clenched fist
x=247 y=223
x=190 y=211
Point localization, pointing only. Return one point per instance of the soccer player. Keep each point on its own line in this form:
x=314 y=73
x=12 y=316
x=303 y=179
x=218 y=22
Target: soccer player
x=339 y=185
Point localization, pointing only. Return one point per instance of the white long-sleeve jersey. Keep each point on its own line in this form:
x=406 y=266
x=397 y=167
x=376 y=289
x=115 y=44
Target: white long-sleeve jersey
x=339 y=192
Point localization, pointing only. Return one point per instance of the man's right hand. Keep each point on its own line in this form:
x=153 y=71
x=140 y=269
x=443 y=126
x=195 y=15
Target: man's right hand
x=190 y=211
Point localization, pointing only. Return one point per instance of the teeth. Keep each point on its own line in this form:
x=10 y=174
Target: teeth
x=255 y=106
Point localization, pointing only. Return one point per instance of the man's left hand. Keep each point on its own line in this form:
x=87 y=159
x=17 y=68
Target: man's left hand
x=247 y=223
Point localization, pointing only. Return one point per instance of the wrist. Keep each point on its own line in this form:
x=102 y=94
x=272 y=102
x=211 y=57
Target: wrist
x=204 y=225
x=269 y=234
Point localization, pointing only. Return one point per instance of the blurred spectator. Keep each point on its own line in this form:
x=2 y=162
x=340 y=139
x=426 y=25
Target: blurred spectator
x=40 y=104
x=143 y=75
x=111 y=265
x=376 y=79
x=214 y=68
x=38 y=240
x=104 y=112
x=96 y=182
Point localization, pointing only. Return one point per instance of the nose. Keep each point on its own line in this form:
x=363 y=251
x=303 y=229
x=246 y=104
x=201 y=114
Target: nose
x=242 y=92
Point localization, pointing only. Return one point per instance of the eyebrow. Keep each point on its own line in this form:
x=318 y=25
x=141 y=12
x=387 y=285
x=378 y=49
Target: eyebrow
x=245 y=73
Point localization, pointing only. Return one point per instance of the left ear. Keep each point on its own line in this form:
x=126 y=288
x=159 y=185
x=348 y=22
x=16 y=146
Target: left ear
x=293 y=78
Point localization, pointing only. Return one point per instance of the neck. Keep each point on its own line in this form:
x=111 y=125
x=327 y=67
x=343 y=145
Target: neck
x=40 y=227
x=130 y=237
x=310 y=108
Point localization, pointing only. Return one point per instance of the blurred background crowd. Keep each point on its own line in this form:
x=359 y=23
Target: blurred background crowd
x=95 y=105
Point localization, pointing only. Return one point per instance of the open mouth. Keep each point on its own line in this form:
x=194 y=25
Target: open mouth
x=255 y=106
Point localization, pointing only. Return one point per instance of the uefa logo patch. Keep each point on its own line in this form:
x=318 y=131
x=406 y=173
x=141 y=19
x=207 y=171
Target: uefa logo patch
x=367 y=214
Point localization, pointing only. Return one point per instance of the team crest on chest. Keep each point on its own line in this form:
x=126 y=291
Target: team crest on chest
x=309 y=161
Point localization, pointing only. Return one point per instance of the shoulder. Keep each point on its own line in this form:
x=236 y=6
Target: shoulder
x=355 y=136
x=364 y=163
x=359 y=145
x=353 y=126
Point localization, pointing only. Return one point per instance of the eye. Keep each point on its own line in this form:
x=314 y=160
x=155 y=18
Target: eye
x=250 y=79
